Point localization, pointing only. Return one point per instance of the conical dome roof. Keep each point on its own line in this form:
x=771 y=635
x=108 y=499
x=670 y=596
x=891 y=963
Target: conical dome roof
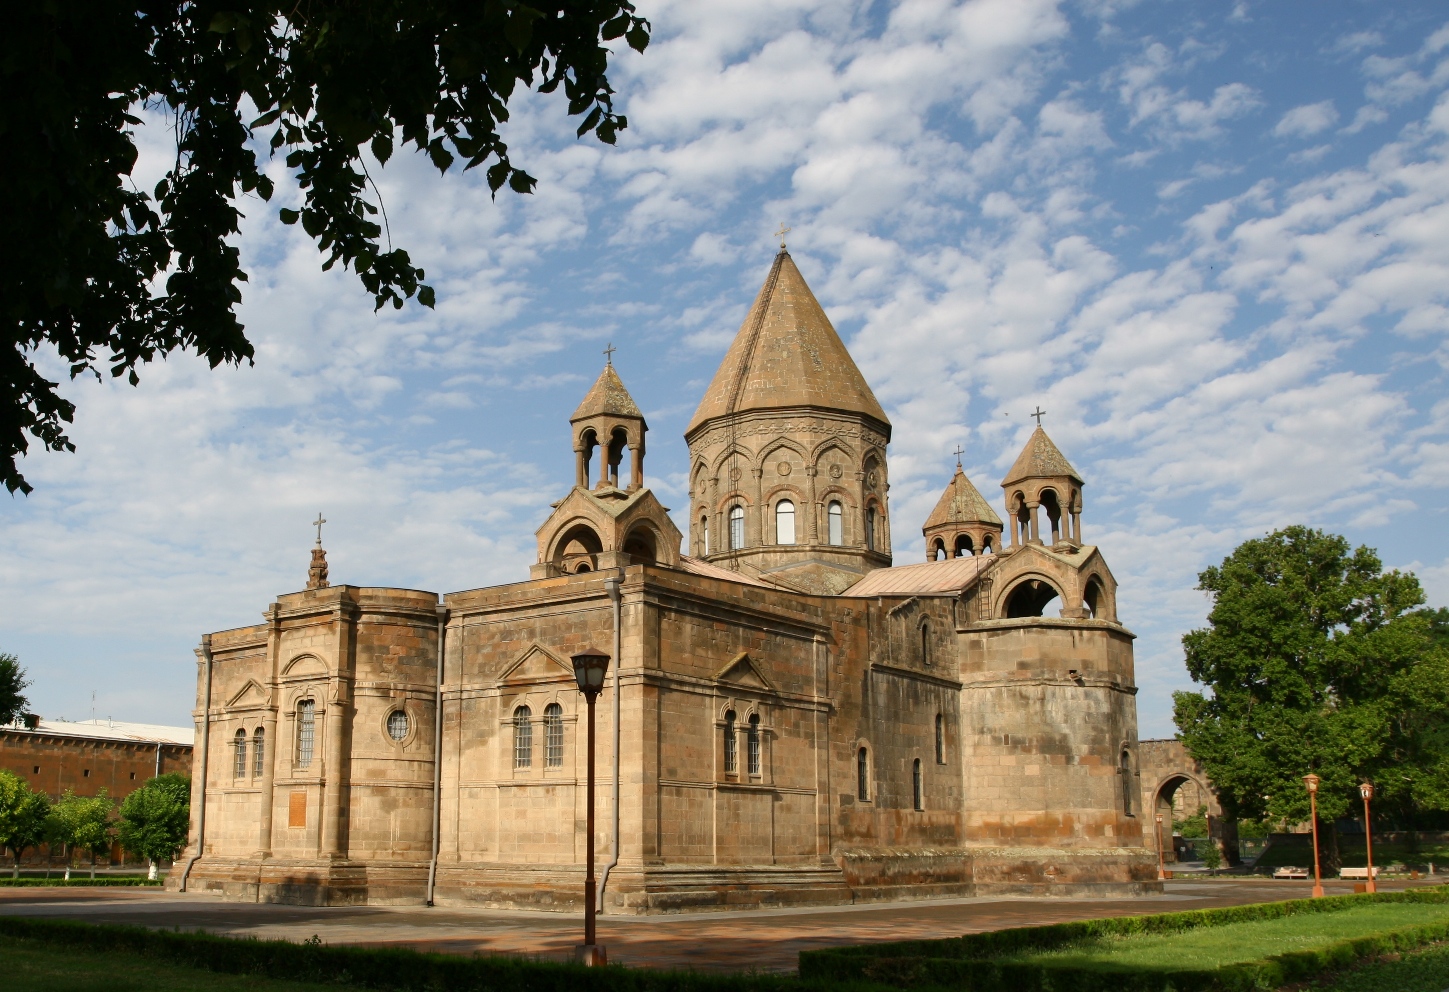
x=608 y=396
x=1040 y=459
x=786 y=354
x=962 y=503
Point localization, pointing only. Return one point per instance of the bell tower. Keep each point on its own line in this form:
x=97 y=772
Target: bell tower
x=1043 y=495
x=788 y=476
x=609 y=419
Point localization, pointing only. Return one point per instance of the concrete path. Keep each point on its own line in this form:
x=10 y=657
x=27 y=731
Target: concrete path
x=768 y=940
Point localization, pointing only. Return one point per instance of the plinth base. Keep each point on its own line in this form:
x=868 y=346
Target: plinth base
x=591 y=955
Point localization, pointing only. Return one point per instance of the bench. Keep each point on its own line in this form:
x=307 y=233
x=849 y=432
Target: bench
x=1291 y=872
x=1357 y=873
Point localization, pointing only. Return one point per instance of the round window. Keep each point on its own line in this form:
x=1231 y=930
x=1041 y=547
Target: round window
x=397 y=725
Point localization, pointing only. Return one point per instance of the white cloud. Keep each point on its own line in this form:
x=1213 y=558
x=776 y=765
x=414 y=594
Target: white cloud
x=1307 y=120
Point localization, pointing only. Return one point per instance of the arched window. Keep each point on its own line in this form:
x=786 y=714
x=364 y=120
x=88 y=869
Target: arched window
x=737 y=528
x=522 y=737
x=259 y=751
x=925 y=643
x=870 y=528
x=553 y=735
x=940 y=739
x=704 y=533
x=397 y=725
x=239 y=763
x=306 y=732
x=753 y=742
x=963 y=546
x=836 y=528
x=1126 y=774
x=784 y=522
x=862 y=775
x=732 y=753
x=916 y=791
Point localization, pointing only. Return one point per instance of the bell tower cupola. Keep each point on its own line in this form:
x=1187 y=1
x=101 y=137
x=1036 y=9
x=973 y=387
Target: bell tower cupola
x=608 y=420
x=962 y=523
x=1043 y=495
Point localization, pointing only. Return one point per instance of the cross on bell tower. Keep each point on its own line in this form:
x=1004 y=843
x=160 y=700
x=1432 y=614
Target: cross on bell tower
x=317 y=571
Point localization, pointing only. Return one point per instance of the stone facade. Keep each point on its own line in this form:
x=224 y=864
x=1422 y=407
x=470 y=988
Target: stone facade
x=787 y=719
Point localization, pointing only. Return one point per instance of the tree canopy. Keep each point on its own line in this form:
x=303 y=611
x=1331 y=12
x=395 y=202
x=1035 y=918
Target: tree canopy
x=156 y=818
x=24 y=816
x=83 y=823
x=13 y=684
x=1318 y=660
x=111 y=276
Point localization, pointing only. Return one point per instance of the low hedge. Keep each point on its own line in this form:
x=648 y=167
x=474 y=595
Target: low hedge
x=971 y=962
x=388 y=968
x=100 y=880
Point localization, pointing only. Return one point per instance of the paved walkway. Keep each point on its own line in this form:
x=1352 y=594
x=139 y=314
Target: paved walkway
x=768 y=940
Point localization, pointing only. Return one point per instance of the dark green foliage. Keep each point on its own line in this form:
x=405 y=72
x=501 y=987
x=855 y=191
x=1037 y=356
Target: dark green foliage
x=24 y=816
x=975 y=962
x=1317 y=661
x=320 y=82
x=156 y=817
x=12 y=689
x=387 y=968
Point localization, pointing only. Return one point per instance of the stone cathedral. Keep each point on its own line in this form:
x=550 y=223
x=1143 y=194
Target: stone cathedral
x=789 y=718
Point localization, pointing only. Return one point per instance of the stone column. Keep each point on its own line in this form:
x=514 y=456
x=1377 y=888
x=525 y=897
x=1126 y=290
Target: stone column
x=1034 y=537
x=759 y=516
x=269 y=776
x=1077 y=524
x=812 y=525
x=581 y=469
x=636 y=467
x=335 y=799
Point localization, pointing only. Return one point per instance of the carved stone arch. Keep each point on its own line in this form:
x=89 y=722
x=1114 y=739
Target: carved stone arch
x=643 y=543
x=824 y=447
x=722 y=461
x=575 y=545
x=771 y=496
x=1097 y=596
x=305 y=665
x=1027 y=595
x=776 y=443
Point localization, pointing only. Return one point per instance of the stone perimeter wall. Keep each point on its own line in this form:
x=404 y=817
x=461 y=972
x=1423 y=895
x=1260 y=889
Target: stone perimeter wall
x=1024 y=794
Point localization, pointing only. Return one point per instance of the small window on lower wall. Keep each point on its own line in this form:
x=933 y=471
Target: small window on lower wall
x=862 y=775
x=297 y=809
x=916 y=790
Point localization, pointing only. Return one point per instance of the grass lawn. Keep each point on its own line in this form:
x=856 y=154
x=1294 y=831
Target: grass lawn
x=1212 y=947
x=1421 y=971
x=33 y=967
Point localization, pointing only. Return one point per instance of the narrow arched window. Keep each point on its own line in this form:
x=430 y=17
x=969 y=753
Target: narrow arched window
x=737 y=528
x=835 y=528
x=1126 y=767
x=753 y=742
x=522 y=737
x=940 y=739
x=704 y=534
x=784 y=522
x=916 y=791
x=306 y=732
x=732 y=758
x=259 y=751
x=553 y=735
x=862 y=775
x=925 y=643
x=239 y=761
x=870 y=528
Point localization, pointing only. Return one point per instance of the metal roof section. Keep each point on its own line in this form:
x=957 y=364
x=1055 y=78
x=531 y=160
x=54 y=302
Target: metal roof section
x=945 y=578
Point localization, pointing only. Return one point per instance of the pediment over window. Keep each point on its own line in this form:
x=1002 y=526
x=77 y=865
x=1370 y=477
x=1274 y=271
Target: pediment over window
x=251 y=694
x=537 y=664
x=307 y=664
x=742 y=670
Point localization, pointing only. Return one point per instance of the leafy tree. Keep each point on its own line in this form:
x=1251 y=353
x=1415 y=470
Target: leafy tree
x=156 y=817
x=13 y=684
x=83 y=823
x=108 y=274
x=1311 y=653
x=23 y=816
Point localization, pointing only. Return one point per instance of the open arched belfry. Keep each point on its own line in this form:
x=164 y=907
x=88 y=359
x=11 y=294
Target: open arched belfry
x=789 y=718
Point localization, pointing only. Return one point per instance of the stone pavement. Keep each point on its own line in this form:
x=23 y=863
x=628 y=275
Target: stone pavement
x=768 y=940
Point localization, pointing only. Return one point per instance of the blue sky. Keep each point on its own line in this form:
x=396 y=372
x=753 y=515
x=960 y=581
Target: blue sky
x=1210 y=240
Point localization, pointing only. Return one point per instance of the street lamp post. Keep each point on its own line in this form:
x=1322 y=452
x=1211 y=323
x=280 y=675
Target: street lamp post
x=589 y=669
x=1366 y=790
x=1161 y=873
x=1312 y=781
